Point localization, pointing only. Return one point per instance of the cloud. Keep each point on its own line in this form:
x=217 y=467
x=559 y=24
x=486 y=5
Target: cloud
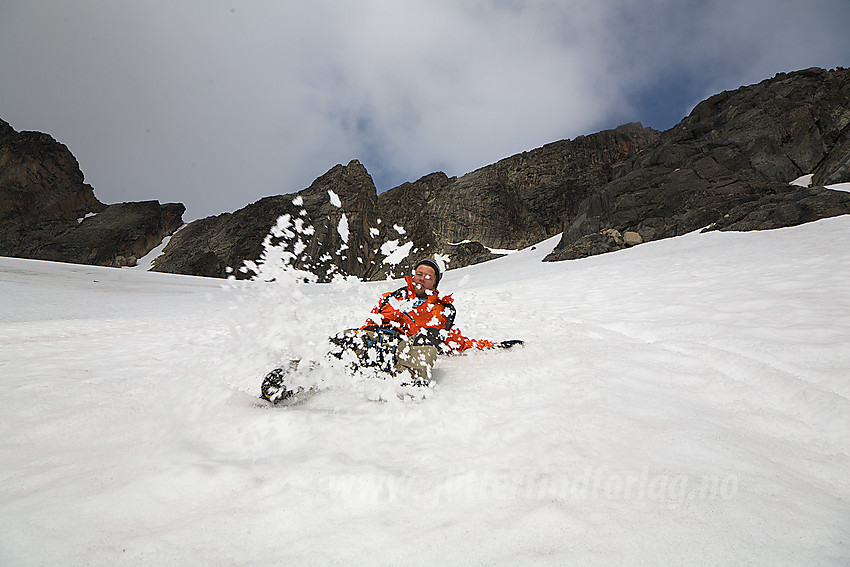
x=217 y=104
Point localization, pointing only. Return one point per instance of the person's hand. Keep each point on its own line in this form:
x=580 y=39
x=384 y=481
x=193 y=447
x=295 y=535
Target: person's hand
x=510 y=343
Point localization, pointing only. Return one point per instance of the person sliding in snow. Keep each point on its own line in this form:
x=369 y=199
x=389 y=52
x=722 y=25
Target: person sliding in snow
x=409 y=328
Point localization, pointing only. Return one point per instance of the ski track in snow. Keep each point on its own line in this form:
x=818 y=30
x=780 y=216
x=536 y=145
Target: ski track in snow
x=684 y=402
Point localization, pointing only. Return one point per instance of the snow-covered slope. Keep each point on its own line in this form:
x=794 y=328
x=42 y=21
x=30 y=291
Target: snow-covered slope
x=684 y=402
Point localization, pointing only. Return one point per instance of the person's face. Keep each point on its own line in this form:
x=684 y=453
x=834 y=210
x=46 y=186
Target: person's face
x=424 y=280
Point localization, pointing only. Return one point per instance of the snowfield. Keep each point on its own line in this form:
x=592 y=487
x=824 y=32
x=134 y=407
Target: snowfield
x=684 y=402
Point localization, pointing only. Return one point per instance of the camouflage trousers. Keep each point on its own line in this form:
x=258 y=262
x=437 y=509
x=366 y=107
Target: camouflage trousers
x=387 y=350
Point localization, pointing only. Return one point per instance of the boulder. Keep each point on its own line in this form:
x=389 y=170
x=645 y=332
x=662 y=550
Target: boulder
x=631 y=238
x=468 y=253
x=615 y=234
x=592 y=244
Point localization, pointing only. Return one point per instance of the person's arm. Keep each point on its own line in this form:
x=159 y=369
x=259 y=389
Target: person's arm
x=457 y=342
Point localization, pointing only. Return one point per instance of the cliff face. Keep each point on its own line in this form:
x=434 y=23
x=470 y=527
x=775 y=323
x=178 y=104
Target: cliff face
x=727 y=166
x=47 y=212
x=531 y=196
x=404 y=207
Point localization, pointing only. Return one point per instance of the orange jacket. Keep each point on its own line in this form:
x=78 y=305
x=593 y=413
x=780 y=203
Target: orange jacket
x=396 y=309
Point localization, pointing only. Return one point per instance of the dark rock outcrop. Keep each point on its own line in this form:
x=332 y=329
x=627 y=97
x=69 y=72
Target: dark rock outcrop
x=42 y=192
x=787 y=208
x=47 y=212
x=727 y=166
x=117 y=236
x=331 y=227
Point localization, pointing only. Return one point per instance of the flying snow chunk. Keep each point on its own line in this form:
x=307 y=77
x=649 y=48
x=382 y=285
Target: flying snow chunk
x=298 y=201
x=442 y=261
x=399 y=229
x=301 y=229
x=373 y=232
x=281 y=229
x=342 y=227
x=395 y=253
x=334 y=199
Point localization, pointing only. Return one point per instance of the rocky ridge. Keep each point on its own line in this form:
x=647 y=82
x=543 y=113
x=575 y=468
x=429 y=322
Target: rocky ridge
x=510 y=204
x=724 y=167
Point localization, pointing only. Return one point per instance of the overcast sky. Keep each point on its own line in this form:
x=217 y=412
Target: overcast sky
x=216 y=104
